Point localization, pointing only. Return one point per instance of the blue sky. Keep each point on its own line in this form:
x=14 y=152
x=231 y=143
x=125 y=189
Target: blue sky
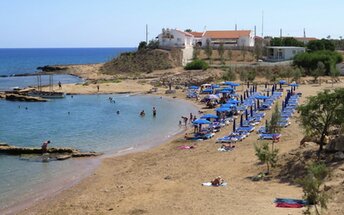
x=121 y=23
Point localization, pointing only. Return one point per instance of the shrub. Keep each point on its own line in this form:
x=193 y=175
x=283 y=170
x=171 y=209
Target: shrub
x=229 y=75
x=309 y=60
x=311 y=185
x=197 y=65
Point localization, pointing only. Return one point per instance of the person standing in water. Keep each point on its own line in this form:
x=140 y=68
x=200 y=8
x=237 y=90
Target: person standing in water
x=45 y=146
x=142 y=113
x=154 y=112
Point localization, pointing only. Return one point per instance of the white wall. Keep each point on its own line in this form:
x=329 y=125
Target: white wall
x=187 y=55
x=179 y=39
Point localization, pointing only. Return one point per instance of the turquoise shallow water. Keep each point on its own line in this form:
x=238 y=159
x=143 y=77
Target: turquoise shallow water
x=91 y=125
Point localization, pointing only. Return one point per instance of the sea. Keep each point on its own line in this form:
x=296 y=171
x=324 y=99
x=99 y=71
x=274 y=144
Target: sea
x=85 y=122
x=14 y=62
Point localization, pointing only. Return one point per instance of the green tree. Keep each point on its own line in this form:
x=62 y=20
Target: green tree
x=318 y=45
x=229 y=75
x=243 y=52
x=142 y=45
x=309 y=60
x=297 y=74
x=335 y=73
x=221 y=51
x=266 y=154
x=229 y=54
x=208 y=50
x=321 y=112
x=251 y=75
x=243 y=75
x=319 y=71
x=276 y=41
x=273 y=127
x=188 y=30
x=311 y=185
x=258 y=50
x=196 y=52
x=153 y=44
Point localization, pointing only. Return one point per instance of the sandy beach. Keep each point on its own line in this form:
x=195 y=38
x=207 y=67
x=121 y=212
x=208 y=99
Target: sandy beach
x=166 y=180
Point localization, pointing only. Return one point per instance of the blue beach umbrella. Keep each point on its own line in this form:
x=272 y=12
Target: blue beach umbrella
x=222 y=109
x=215 y=86
x=232 y=101
x=293 y=85
x=193 y=87
x=228 y=105
x=261 y=97
x=225 y=91
x=209 y=116
x=207 y=91
x=201 y=122
x=282 y=82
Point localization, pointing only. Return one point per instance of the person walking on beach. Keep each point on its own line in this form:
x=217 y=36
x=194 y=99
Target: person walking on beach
x=154 y=112
x=98 y=88
x=45 y=146
x=191 y=117
x=60 y=85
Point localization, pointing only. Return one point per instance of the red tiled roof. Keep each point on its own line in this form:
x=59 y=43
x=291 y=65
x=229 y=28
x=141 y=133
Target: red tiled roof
x=196 y=34
x=227 y=34
x=185 y=33
x=305 y=38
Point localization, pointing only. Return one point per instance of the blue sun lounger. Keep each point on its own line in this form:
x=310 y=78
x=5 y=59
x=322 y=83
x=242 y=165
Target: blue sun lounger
x=269 y=136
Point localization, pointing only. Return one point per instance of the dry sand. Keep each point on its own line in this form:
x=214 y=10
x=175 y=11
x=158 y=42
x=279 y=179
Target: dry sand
x=165 y=180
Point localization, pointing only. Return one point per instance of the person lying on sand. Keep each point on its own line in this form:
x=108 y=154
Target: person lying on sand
x=217 y=181
x=228 y=146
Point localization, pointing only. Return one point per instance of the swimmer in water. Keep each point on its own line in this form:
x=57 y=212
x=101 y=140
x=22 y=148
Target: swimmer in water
x=142 y=113
x=117 y=112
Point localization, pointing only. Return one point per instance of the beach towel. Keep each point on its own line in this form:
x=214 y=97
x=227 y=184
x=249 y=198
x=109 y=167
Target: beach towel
x=291 y=201
x=225 y=150
x=185 y=147
x=208 y=184
x=289 y=205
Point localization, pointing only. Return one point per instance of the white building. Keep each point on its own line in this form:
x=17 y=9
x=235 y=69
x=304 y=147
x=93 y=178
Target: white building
x=173 y=38
x=236 y=38
x=283 y=53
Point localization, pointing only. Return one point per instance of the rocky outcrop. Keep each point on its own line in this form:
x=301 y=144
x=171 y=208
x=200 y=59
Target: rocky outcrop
x=337 y=144
x=51 y=68
x=143 y=61
x=24 y=98
x=52 y=153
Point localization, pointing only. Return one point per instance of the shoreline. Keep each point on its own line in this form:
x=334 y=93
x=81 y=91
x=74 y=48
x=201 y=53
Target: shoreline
x=166 y=179
x=107 y=188
x=51 y=193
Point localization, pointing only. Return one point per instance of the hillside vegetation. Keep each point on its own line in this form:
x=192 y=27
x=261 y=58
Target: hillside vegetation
x=143 y=61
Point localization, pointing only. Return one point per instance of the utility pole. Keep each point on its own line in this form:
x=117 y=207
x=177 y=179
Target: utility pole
x=281 y=35
x=255 y=31
x=236 y=27
x=147 y=33
x=263 y=24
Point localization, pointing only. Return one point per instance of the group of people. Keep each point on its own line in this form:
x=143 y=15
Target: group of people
x=186 y=119
x=154 y=111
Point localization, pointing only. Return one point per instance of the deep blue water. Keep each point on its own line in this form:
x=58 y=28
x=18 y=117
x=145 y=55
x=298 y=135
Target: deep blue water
x=19 y=61
x=92 y=124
